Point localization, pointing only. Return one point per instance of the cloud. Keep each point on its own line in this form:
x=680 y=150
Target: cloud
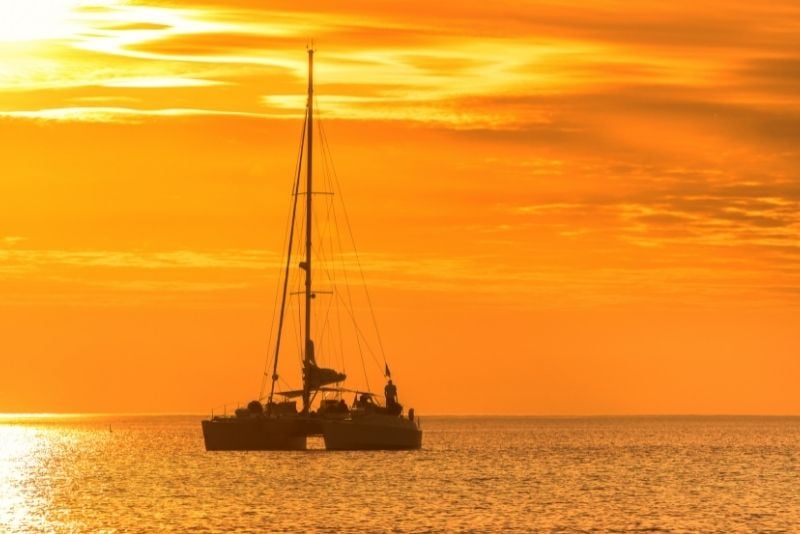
x=403 y=65
x=177 y=259
x=606 y=131
x=159 y=82
x=779 y=74
x=118 y=114
x=11 y=240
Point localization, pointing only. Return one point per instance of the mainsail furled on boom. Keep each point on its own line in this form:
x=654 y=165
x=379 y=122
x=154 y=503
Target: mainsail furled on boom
x=315 y=376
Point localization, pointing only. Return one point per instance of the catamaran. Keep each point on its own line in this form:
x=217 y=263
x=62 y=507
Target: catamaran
x=369 y=422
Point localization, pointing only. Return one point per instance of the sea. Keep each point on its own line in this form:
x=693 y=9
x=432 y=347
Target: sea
x=113 y=473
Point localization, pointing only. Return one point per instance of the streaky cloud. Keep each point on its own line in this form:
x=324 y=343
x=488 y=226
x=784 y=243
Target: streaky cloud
x=121 y=114
x=157 y=82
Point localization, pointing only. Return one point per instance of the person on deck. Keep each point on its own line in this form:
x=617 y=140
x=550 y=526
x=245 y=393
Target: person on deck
x=391 y=395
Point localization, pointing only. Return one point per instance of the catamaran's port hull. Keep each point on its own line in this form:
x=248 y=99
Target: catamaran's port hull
x=255 y=434
x=375 y=432
x=355 y=435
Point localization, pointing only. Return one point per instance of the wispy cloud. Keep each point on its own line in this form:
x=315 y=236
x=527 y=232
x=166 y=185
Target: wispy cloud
x=178 y=259
x=11 y=240
x=488 y=276
x=447 y=75
x=159 y=82
x=117 y=114
x=434 y=72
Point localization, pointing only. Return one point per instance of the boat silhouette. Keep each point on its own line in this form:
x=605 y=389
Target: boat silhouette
x=369 y=422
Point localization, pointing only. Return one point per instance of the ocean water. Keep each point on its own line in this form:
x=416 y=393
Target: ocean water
x=474 y=474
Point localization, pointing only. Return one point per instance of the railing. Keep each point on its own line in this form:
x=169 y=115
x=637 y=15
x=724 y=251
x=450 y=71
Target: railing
x=225 y=408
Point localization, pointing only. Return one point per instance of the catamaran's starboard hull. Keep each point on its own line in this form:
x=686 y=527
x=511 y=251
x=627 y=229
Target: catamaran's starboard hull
x=376 y=432
x=253 y=434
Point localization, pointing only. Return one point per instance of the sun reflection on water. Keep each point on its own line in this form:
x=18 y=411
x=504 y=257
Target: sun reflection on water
x=473 y=474
x=20 y=447
x=31 y=445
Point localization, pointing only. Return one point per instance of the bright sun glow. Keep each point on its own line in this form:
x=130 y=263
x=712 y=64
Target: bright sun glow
x=34 y=20
x=17 y=444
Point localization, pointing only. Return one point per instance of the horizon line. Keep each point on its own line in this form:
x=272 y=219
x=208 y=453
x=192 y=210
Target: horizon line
x=9 y=415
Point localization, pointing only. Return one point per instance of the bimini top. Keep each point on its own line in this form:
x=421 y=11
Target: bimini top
x=299 y=392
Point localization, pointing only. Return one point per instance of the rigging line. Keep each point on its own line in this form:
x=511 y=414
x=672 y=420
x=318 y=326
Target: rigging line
x=269 y=343
x=335 y=255
x=326 y=154
x=327 y=352
x=326 y=321
x=269 y=340
x=361 y=357
x=324 y=228
x=286 y=273
x=298 y=286
x=296 y=249
x=272 y=322
x=331 y=206
x=327 y=237
x=352 y=239
x=330 y=220
x=324 y=245
x=296 y=325
x=361 y=333
x=325 y=268
x=287 y=231
x=300 y=332
x=363 y=364
x=329 y=240
x=338 y=318
x=328 y=255
x=350 y=309
x=318 y=247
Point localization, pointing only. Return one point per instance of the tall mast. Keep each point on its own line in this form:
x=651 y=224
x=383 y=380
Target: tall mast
x=308 y=357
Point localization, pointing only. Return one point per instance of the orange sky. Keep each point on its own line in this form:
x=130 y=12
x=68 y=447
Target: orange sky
x=561 y=207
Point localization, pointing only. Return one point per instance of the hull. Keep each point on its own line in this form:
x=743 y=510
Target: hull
x=371 y=432
x=254 y=434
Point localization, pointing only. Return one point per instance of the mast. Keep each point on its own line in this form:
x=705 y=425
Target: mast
x=314 y=377
x=308 y=356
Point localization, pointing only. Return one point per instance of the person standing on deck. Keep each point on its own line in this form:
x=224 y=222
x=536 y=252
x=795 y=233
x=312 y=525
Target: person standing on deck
x=391 y=395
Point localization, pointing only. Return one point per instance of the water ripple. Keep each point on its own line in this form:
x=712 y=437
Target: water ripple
x=639 y=474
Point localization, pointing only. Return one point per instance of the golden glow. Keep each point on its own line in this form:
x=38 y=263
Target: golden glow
x=34 y=20
x=581 y=207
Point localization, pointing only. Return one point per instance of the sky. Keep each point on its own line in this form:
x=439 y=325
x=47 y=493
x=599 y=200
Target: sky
x=560 y=208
